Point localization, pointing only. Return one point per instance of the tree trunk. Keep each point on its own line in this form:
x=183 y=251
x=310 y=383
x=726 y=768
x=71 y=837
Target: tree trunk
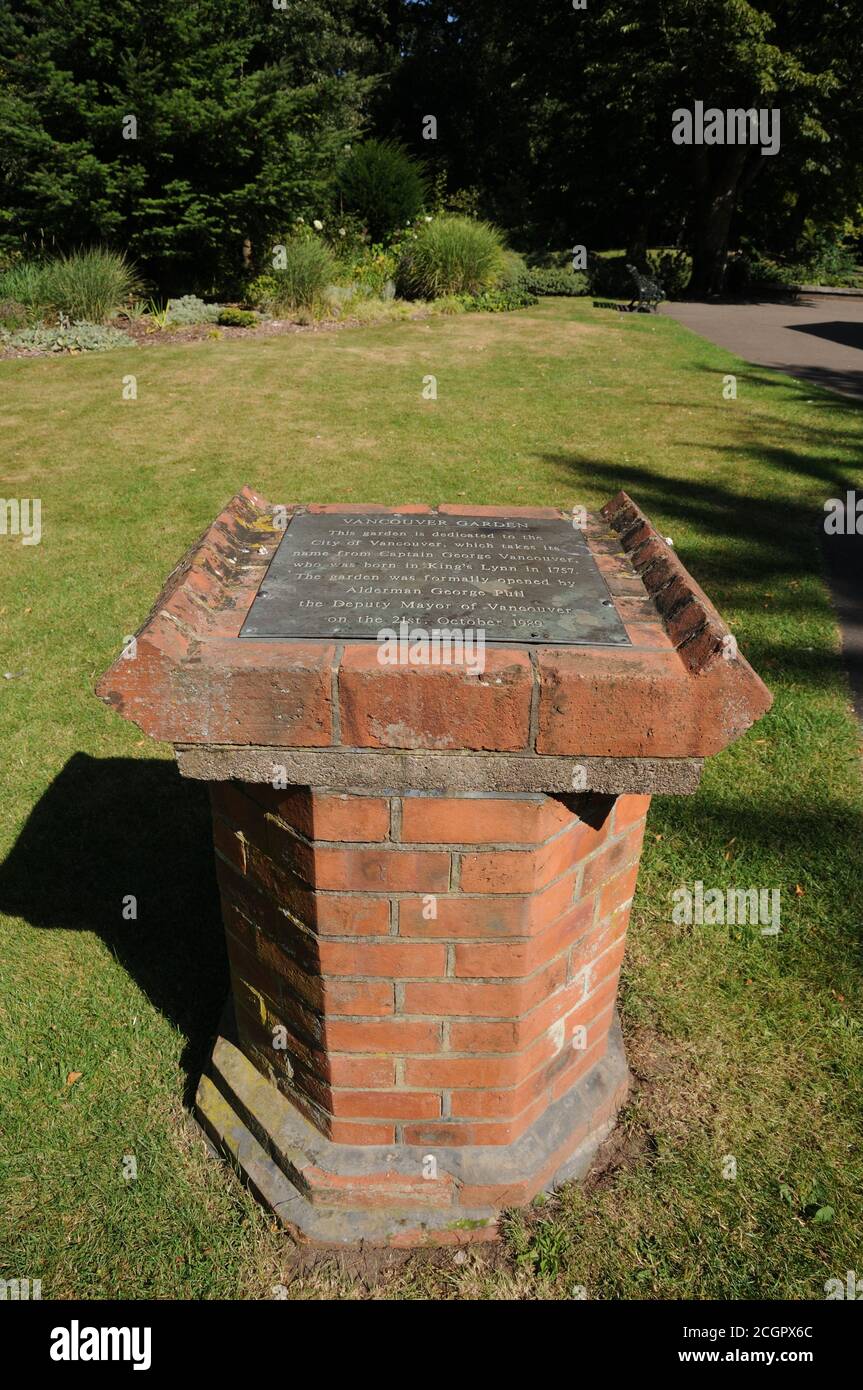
x=717 y=186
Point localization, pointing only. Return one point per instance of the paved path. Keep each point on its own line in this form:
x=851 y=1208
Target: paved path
x=819 y=338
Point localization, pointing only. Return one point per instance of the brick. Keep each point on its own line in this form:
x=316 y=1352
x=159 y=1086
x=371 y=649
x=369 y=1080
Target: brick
x=435 y=707
x=386 y=1105
x=382 y=870
x=332 y=816
x=395 y=960
x=352 y=1132
x=396 y=1036
x=361 y=997
x=628 y=810
x=611 y=859
x=459 y=1132
x=490 y=961
x=491 y=1000
x=500 y=1103
x=521 y=871
x=618 y=891
x=482 y=820
x=370 y=1072
x=349 y=914
x=515 y=1034
x=493 y=916
x=371 y=1191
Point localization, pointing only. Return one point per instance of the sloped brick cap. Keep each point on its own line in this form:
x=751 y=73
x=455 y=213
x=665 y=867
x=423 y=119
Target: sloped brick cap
x=679 y=691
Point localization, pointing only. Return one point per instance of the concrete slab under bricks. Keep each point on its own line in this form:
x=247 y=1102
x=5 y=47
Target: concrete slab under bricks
x=274 y=1148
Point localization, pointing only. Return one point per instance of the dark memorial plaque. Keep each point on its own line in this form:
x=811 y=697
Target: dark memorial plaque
x=350 y=575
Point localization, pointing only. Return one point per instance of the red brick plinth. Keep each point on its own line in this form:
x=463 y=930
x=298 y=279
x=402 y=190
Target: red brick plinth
x=425 y=928
x=417 y=975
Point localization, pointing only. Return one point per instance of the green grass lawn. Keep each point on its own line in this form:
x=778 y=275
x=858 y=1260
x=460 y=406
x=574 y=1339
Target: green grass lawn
x=743 y=1047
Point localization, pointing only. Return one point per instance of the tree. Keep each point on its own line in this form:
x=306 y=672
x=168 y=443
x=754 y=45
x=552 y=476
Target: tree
x=180 y=132
x=563 y=118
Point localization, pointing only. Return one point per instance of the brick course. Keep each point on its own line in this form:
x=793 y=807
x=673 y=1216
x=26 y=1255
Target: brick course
x=425 y=961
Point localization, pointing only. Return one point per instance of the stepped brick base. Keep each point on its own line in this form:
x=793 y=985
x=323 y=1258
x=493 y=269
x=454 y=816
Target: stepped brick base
x=416 y=977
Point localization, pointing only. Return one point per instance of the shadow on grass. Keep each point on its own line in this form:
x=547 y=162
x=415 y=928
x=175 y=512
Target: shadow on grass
x=110 y=827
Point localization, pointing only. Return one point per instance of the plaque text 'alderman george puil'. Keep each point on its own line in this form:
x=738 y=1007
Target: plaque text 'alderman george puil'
x=349 y=576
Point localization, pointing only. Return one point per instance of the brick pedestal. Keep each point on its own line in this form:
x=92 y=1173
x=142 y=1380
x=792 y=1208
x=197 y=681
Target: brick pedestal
x=426 y=925
x=421 y=977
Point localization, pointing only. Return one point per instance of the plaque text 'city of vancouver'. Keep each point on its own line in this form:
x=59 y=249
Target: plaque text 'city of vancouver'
x=349 y=576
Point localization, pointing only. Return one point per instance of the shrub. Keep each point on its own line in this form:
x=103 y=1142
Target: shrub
x=496 y=301
x=608 y=276
x=449 y=304
x=301 y=283
x=558 y=282
x=370 y=268
x=237 y=318
x=750 y=270
x=452 y=255
x=825 y=259
x=89 y=286
x=673 y=270
x=382 y=185
x=513 y=269
x=77 y=337
x=13 y=314
x=189 y=309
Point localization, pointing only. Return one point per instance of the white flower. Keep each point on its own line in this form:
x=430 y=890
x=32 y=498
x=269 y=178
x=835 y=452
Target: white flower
x=427 y=219
x=318 y=226
x=342 y=231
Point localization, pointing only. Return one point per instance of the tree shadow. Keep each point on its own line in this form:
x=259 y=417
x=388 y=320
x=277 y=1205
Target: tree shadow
x=847 y=332
x=107 y=828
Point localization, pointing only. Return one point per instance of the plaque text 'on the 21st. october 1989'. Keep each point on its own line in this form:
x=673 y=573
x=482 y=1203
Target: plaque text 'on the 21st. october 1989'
x=350 y=576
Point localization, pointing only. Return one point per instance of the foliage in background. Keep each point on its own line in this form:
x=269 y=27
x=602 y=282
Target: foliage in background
x=306 y=268
x=564 y=123
x=565 y=282
x=76 y=337
x=242 y=112
x=88 y=285
x=382 y=186
x=452 y=255
x=189 y=309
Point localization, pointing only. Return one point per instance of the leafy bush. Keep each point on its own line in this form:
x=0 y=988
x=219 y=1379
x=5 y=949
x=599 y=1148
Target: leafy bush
x=452 y=255
x=496 y=301
x=608 y=276
x=13 y=314
x=382 y=185
x=673 y=270
x=751 y=270
x=825 y=259
x=189 y=309
x=371 y=268
x=513 y=269
x=77 y=337
x=237 y=318
x=301 y=283
x=558 y=282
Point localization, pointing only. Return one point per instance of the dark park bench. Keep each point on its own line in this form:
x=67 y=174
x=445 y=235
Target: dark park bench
x=649 y=292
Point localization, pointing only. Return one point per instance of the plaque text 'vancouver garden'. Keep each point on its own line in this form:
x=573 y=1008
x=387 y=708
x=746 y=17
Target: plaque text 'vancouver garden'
x=518 y=579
